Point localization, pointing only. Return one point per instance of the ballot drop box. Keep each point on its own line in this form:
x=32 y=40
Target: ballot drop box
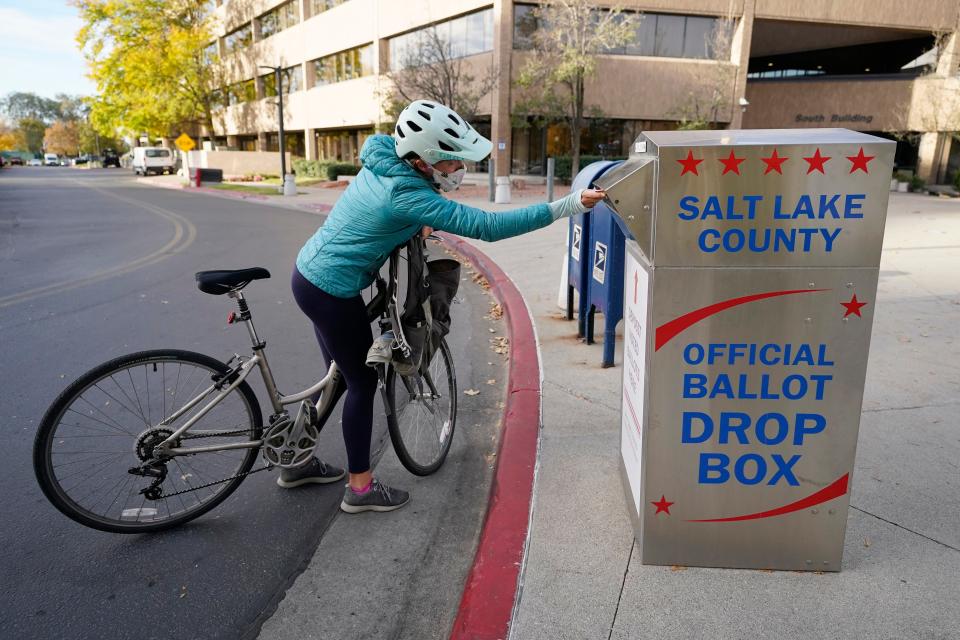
x=749 y=292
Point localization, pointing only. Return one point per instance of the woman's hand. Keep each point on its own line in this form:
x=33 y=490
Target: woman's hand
x=426 y=231
x=592 y=197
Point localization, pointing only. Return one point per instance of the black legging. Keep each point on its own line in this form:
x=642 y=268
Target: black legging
x=343 y=332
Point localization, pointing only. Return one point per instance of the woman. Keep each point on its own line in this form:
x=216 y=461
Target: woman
x=395 y=195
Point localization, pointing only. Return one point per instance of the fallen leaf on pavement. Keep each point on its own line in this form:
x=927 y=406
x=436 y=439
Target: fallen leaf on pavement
x=866 y=541
x=492 y=381
x=471 y=392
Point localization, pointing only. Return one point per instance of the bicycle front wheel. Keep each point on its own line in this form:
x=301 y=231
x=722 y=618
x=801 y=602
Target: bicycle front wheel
x=422 y=413
x=105 y=425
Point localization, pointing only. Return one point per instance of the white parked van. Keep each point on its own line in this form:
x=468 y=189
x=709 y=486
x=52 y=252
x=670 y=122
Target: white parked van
x=148 y=160
x=51 y=160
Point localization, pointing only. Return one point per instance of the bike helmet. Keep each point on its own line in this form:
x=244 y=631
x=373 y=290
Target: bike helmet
x=435 y=133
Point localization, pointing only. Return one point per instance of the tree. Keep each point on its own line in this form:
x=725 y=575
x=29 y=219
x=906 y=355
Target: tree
x=433 y=70
x=567 y=38
x=20 y=105
x=8 y=137
x=30 y=132
x=151 y=63
x=710 y=99
x=62 y=139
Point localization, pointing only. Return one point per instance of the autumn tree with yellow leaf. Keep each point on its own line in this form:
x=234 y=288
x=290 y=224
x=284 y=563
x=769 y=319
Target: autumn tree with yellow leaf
x=62 y=138
x=151 y=62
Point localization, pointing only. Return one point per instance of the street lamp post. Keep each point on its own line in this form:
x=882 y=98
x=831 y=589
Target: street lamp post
x=278 y=82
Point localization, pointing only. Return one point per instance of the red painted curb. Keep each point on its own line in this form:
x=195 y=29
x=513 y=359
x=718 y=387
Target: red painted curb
x=486 y=607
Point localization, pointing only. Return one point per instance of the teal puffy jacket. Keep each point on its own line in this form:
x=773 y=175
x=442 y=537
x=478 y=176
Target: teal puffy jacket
x=382 y=208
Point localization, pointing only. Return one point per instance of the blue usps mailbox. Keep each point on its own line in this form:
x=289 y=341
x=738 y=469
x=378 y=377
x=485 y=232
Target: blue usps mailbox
x=580 y=251
x=607 y=241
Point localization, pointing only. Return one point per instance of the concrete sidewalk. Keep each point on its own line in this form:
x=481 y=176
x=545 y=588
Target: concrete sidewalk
x=901 y=568
x=321 y=199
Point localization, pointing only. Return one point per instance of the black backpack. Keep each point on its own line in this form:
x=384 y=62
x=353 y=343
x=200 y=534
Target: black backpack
x=431 y=288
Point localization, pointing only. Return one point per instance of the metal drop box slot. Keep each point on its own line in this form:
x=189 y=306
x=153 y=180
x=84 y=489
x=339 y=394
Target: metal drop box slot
x=749 y=292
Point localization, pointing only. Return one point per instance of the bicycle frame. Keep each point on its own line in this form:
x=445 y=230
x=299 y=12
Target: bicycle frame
x=237 y=377
x=328 y=385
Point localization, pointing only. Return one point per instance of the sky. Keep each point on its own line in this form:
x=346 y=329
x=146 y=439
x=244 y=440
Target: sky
x=38 y=53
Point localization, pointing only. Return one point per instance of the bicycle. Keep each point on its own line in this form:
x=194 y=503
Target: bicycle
x=106 y=458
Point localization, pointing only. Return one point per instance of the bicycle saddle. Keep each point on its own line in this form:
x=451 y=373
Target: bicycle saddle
x=224 y=281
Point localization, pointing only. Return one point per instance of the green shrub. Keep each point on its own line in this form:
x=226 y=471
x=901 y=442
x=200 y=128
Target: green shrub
x=310 y=168
x=956 y=180
x=335 y=169
x=563 y=165
x=917 y=183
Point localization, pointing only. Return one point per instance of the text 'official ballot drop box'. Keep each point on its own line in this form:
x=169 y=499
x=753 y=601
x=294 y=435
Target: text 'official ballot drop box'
x=750 y=285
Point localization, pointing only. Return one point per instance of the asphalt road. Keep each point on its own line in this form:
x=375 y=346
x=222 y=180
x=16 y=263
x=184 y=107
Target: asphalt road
x=94 y=265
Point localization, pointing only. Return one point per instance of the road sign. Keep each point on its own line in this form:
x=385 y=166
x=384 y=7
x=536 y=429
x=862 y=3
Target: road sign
x=185 y=142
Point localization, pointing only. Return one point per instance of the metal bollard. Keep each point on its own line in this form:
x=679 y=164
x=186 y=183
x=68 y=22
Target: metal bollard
x=550 y=170
x=492 y=180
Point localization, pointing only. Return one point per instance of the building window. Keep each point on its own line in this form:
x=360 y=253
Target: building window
x=239 y=38
x=319 y=6
x=346 y=65
x=278 y=19
x=290 y=77
x=245 y=91
x=269 y=81
x=464 y=36
x=656 y=34
x=784 y=73
x=210 y=53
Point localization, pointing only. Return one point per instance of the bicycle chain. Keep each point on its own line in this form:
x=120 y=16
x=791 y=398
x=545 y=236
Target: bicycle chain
x=188 y=436
x=210 y=484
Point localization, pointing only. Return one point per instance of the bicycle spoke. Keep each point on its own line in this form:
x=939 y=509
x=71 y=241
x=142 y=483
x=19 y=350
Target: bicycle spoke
x=104 y=392
x=137 y=396
x=90 y=468
x=146 y=378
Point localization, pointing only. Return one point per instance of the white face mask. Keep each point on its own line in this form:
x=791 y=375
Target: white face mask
x=449 y=181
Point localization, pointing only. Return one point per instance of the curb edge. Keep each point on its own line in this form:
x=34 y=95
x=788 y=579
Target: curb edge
x=493 y=582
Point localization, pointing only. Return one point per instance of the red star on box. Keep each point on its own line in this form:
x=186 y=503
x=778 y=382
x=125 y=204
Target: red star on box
x=690 y=164
x=816 y=162
x=731 y=163
x=774 y=163
x=663 y=505
x=860 y=161
x=853 y=307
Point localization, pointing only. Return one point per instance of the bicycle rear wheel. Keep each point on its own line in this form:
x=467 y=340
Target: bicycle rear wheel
x=422 y=413
x=106 y=423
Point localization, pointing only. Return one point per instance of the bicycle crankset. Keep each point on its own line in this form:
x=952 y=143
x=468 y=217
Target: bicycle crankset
x=290 y=443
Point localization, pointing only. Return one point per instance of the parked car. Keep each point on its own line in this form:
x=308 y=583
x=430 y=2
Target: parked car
x=16 y=160
x=65 y=162
x=110 y=158
x=51 y=160
x=148 y=160
x=83 y=159
x=35 y=162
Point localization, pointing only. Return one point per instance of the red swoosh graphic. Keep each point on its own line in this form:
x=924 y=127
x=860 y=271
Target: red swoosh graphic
x=835 y=490
x=667 y=331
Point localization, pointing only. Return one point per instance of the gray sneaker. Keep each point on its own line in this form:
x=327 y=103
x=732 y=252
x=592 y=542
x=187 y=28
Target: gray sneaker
x=379 y=498
x=315 y=471
x=380 y=350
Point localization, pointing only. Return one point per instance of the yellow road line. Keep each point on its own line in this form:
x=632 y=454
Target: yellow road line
x=183 y=236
